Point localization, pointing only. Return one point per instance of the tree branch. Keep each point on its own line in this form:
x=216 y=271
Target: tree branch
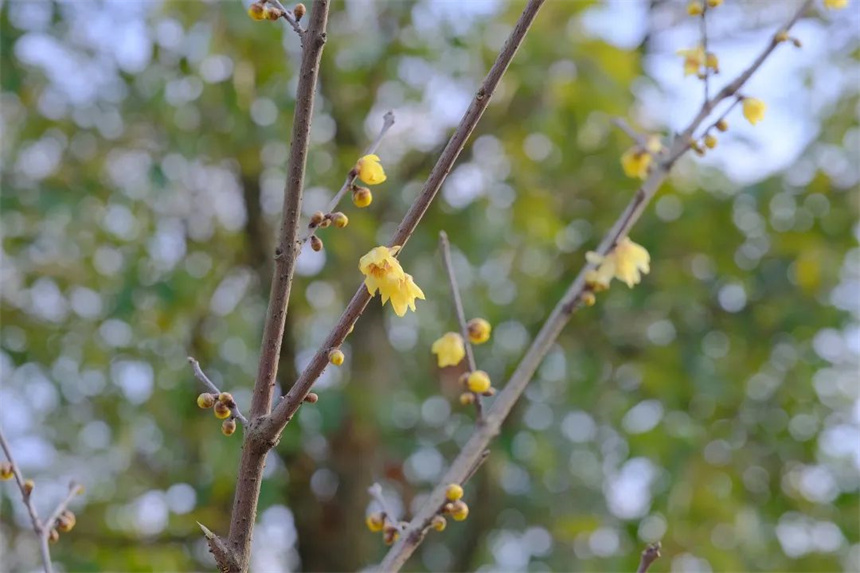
x=284 y=411
x=255 y=446
x=200 y=375
x=558 y=318
x=445 y=247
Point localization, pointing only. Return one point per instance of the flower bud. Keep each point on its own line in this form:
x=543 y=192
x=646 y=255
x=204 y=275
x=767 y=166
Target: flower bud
x=312 y=398
x=782 y=36
x=454 y=492
x=375 y=521
x=490 y=392
x=723 y=125
x=390 y=534
x=467 y=398
x=710 y=141
x=65 y=522
x=463 y=380
x=362 y=197
x=335 y=357
x=478 y=382
x=6 y=471
x=316 y=243
x=257 y=11
x=317 y=218
x=221 y=410
x=714 y=3
x=694 y=9
x=53 y=536
x=588 y=298
x=228 y=427
x=326 y=222
x=299 y=11
x=28 y=486
x=226 y=398
x=797 y=43
x=459 y=510
x=205 y=400
x=273 y=13
x=340 y=220
x=479 y=330
x=439 y=523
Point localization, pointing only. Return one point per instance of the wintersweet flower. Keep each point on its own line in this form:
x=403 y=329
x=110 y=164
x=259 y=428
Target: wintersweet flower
x=370 y=170
x=636 y=162
x=836 y=4
x=449 y=349
x=383 y=273
x=754 y=110
x=627 y=262
x=694 y=59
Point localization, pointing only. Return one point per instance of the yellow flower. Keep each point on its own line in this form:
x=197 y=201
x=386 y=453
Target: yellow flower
x=636 y=162
x=449 y=349
x=694 y=59
x=370 y=170
x=384 y=274
x=836 y=4
x=627 y=262
x=478 y=382
x=754 y=110
x=479 y=330
x=712 y=61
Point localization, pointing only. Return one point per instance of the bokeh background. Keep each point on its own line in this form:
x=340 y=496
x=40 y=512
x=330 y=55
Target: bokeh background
x=714 y=407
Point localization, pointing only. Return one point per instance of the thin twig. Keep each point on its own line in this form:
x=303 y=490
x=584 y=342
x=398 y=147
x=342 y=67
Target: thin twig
x=388 y=121
x=200 y=375
x=74 y=491
x=375 y=492
x=622 y=124
x=289 y=17
x=477 y=444
x=26 y=497
x=284 y=411
x=649 y=555
x=445 y=247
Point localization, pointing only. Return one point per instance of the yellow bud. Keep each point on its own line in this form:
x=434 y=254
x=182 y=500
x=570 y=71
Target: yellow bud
x=710 y=141
x=694 y=145
x=6 y=471
x=228 y=427
x=28 y=486
x=375 y=521
x=467 y=398
x=205 y=400
x=712 y=62
x=714 y=3
x=317 y=218
x=479 y=330
x=340 y=220
x=53 y=536
x=782 y=36
x=694 y=9
x=459 y=510
x=336 y=357
x=316 y=243
x=723 y=125
x=478 y=382
x=273 y=13
x=439 y=523
x=221 y=410
x=66 y=521
x=588 y=298
x=454 y=492
x=326 y=221
x=299 y=11
x=226 y=398
x=362 y=197
x=390 y=535
x=257 y=12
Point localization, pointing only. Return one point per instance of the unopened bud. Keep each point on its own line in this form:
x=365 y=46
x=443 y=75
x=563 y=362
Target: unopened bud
x=781 y=36
x=588 y=298
x=317 y=218
x=375 y=521
x=205 y=400
x=226 y=398
x=362 y=197
x=273 y=13
x=6 y=471
x=228 y=427
x=221 y=410
x=722 y=125
x=390 y=534
x=459 y=510
x=312 y=398
x=336 y=357
x=53 y=536
x=454 y=492
x=714 y=3
x=28 y=486
x=439 y=523
x=796 y=42
x=326 y=221
x=299 y=11
x=316 y=243
x=467 y=398
x=710 y=141
x=340 y=220
x=694 y=8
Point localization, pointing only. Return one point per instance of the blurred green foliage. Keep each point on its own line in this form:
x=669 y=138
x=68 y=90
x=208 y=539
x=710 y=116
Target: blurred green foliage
x=713 y=407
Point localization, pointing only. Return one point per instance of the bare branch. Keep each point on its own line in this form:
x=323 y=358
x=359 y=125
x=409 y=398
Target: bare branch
x=223 y=555
x=622 y=124
x=707 y=79
x=445 y=247
x=200 y=375
x=387 y=123
x=75 y=490
x=290 y=18
x=284 y=411
x=477 y=444
x=649 y=555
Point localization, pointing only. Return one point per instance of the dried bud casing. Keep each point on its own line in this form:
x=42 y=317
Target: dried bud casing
x=316 y=243
x=326 y=221
x=299 y=11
